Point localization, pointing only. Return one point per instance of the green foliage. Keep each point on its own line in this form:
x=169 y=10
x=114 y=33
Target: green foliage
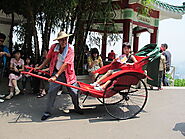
x=170 y=78
x=147 y=7
x=179 y=82
x=73 y=16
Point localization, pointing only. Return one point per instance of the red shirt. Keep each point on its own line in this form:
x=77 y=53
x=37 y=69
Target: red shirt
x=69 y=59
x=111 y=55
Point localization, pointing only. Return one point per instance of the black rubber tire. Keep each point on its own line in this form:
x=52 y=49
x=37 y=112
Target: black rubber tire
x=121 y=109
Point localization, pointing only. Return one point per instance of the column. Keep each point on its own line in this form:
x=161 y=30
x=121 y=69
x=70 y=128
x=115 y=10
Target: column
x=136 y=43
x=104 y=46
x=153 y=36
x=127 y=31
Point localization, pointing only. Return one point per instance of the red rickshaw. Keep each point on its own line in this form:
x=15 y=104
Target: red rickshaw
x=122 y=98
x=126 y=94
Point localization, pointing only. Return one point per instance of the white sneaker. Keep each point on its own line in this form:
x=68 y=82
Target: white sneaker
x=1 y=100
x=17 y=91
x=59 y=93
x=94 y=84
x=1 y=96
x=9 y=96
x=99 y=88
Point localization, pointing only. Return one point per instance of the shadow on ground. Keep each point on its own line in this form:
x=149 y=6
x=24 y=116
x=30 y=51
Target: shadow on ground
x=180 y=127
x=29 y=108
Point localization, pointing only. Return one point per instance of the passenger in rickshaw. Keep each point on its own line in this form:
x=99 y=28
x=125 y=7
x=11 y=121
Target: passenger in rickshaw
x=125 y=58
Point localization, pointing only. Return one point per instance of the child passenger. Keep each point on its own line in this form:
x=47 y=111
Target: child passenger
x=125 y=58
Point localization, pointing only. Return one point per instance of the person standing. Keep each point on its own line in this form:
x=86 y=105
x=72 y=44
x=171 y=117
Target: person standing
x=4 y=53
x=111 y=56
x=162 y=70
x=167 y=55
x=61 y=58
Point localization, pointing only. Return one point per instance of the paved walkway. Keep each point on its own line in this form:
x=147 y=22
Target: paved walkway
x=163 y=118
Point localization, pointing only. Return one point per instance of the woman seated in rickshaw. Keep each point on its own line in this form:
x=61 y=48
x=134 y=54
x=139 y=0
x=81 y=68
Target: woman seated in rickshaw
x=125 y=58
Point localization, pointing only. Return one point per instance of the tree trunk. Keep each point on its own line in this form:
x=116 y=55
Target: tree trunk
x=72 y=26
x=79 y=45
x=46 y=34
x=27 y=47
x=32 y=20
x=36 y=43
x=11 y=34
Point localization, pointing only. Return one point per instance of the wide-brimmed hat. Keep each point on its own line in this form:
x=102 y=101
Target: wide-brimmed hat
x=61 y=35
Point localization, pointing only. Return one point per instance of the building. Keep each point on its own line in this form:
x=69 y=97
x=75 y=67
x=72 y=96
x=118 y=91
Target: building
x=5 y=23
x=132 y=22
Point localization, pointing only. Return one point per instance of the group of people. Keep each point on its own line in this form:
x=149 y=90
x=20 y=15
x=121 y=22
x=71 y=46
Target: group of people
x=164 y=66
x=17 y=64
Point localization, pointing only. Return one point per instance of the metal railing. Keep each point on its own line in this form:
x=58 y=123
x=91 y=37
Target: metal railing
x=171 y=74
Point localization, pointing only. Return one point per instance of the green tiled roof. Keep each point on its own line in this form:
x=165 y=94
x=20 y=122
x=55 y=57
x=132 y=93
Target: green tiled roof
x=176 y=9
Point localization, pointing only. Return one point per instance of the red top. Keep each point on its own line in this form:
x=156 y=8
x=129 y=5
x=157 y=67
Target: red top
x=69 y=59
x=111 y=55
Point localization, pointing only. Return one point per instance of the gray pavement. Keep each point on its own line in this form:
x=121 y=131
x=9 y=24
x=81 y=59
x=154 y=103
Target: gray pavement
x=163 y=118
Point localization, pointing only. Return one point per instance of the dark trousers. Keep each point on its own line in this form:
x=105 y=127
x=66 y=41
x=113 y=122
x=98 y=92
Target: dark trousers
x=54 y=88
x=165 y=80
x=43 y=84
x=36 y=85
x=160 y=78
x=1 y=73
x=25 y=79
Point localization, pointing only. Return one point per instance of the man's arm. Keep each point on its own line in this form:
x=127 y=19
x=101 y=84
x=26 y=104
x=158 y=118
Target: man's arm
x=62 y=69
x=7 y=54
x=46 y=61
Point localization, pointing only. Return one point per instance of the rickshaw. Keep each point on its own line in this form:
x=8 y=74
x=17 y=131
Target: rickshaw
x=122 y=98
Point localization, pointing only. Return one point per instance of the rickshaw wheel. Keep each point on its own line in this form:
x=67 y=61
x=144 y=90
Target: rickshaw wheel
x=134 y=100
x=111 y=101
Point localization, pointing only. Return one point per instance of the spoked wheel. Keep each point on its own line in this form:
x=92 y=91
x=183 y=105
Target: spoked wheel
x=129 y=100
x=112 y=100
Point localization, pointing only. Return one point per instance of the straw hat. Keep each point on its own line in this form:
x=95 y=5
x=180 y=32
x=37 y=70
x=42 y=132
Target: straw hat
x=61 y=35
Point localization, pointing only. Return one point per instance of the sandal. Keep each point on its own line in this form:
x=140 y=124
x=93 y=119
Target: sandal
x=42 y=94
